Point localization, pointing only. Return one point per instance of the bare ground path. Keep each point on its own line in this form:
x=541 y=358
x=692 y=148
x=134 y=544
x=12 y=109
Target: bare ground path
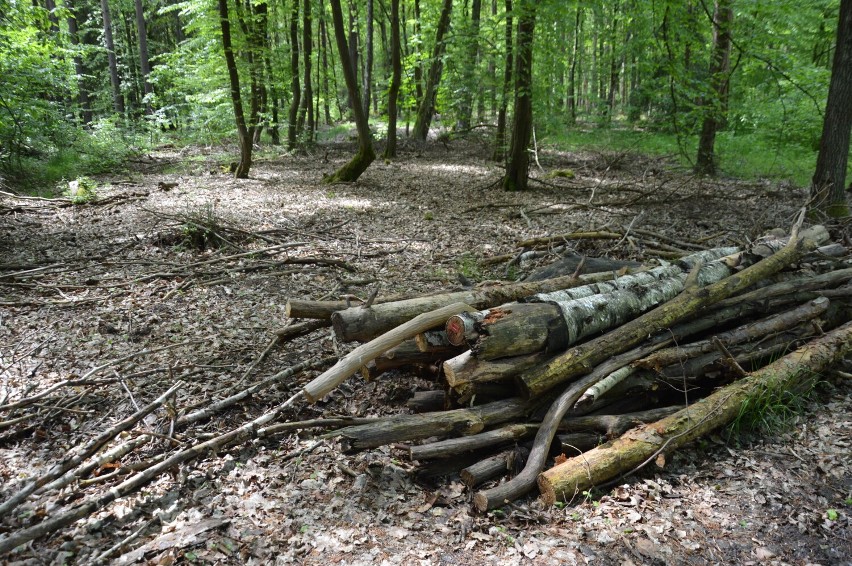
x=81 y=286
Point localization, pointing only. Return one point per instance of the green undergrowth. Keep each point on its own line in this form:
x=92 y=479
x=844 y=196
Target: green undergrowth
x=774 y=409
x=745 y=156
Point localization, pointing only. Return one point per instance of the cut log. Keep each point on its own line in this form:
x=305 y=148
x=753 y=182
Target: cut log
x=795 y=285
x=434 y=341
x=465 y=368
x=425 y=401
x=402 y=428
x=485 y=470
x=561 y=238
x=357 y=324
x=455 y=446
x=322 y=310
x=572 y=314
x=637 y=447
x=354 y=360
x=567 y=265
x=575 y=443
x=407 y=354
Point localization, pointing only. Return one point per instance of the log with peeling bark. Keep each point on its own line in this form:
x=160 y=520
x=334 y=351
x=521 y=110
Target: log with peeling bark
x=581 y=359
x=640 y=446
x=614 y=425
x=359 y=324
x=558 y=319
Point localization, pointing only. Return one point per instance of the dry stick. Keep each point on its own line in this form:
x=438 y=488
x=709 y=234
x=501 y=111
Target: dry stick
x=352 y=362
x=75 y=457
x=231 y=400
x=314 y=423
x=92 y=465
x=133 y=483
x=90 y=373
x=579 y=360
x=639 y=447
x=456 y=446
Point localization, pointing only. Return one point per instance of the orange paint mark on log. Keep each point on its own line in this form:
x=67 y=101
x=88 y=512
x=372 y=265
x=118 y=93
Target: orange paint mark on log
x=495 y=315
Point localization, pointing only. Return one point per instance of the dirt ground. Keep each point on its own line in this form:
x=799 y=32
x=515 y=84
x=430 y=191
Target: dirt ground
x=128 y=296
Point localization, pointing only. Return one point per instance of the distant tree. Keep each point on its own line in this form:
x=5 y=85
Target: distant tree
x=500 y=139
x=245 y=134
x=469 y=68
x=396 y=79
x=366 y=154
x=720 y=64
x=295 y=90
x=427 y=104
x=114 y=79
x=827 y=188
x=79 y=69
x=144 y=60
x=517 y=166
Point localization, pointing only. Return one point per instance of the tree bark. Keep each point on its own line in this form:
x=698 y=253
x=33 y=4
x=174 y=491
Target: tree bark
x=469 y=68
x=295 y=89
x=427 y=105
x=366 y=154
x=79 y=68
x=306 y=114
x=720 y=63
x=396 y=81
x=457 y=446
x=245 y=137
x=362 y=324
x=828 y=185
x=639 y=446
x=144 y=64
x=367 y=89
x=500 y=138
x=115 y=81
x=518 y=163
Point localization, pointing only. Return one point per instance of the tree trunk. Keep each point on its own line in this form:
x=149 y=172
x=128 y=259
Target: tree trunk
x=396 y=80
x=427 y=105
x=368 y=60
x=295 y=90
x=353 y=45
x=635 y=448
x=79 y=69
x=720 y=64
x=324 y=47
x=115 y=81
x=572 y=75
x=418 y=66
x=469 y=68
x=144 y=64
x=519 y=157
x=500 y=138
x=306 y=117
x=245 y=137
x=828 y=185
x=366 y=154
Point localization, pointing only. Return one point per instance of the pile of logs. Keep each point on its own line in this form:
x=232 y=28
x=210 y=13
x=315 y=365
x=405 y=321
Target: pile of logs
x=606 y=371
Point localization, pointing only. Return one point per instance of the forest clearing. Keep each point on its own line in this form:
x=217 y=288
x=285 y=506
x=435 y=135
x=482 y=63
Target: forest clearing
x=112 y=305
x=425 y=282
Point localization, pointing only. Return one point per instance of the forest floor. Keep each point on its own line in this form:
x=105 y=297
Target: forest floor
x=115 y=280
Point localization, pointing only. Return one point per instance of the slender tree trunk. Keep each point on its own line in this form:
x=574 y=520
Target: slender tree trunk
x=144 y=64
x=500 y=139
x=353 y=43
x=492 y=72
x=245 y=137
x=613 y=65
x=396 y=80
x=295 y=90
x=324 y=47
x=306 y=113
x=572 y=73
x=366 y=154
x=519 y=157
x=427 y=105
x=720 y=62
x=827 y=189
x=79 y=69
x=115 y=81
x=418 y=66
x=469 y=68
x=368 y=60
